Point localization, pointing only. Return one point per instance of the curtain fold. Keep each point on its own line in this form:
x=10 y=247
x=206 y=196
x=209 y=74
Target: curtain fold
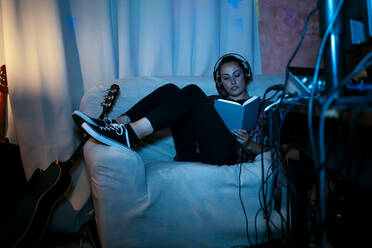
x=55 y=50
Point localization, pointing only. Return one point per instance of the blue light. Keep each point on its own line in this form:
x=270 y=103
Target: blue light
x=235 y=3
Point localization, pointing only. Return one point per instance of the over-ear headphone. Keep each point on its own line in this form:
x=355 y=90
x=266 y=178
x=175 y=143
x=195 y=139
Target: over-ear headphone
x=230 y=57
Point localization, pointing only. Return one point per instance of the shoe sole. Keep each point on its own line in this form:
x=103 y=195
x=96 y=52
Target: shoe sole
x=103 y=139
x=79 y=118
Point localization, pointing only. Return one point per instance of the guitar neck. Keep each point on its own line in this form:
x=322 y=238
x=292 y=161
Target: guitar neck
x=76 y=154
x=3 y=100
x=2 y=116
x=106 y=108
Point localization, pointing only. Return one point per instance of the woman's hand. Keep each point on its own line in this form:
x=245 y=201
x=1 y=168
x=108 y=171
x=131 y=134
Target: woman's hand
x=241 y=135
x=243 y=138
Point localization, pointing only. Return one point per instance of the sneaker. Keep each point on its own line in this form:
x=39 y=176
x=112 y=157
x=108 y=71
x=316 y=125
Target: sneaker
x=79 y=118
x=112 y=135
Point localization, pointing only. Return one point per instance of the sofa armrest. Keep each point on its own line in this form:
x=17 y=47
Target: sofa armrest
x=174 y=204
x=112 y=173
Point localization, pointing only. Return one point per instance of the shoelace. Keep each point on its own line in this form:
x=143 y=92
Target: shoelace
x=107 y=121
x=119 y=129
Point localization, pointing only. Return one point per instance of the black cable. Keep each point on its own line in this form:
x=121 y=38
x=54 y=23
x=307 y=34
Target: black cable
x=277 y=88
x=277 y=143
x=303 y=34
x=315 y=79
x=262 y=198
x=261 y=193
x=242 y=203
x=310 y=125
x=271 y=223
x=260 y=209
x=273 y=168
x=265 y=178
x=298 y=46
x=322 y=158
x=255 y=223
x=334 y=95
x=283 y=222
x=266 y=214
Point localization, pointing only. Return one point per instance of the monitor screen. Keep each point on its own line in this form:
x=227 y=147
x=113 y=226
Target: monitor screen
x=357 y=18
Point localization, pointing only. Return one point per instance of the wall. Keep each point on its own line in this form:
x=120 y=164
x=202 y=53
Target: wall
x=280 y=25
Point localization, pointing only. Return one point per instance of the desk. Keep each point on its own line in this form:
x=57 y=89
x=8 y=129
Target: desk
x=348 y=140
x=348 y=145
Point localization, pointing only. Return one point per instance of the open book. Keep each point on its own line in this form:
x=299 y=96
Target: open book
x=238 y=116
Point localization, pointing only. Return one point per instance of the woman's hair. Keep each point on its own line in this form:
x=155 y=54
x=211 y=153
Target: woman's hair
x=227 y=58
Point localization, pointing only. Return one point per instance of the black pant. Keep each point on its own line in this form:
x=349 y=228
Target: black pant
x=198 y=132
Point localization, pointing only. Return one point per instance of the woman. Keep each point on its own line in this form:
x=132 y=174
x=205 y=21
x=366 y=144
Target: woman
x=198 y=132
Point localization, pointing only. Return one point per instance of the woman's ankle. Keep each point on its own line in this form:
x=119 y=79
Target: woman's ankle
x=124 y=119
x=142 y=127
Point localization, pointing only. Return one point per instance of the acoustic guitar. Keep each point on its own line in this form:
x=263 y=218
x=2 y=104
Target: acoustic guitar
x=44 y=189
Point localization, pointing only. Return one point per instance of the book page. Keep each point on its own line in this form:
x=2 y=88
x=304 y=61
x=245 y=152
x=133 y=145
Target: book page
x=230 y=112
x=251 y=99
x=237 y=116
x=251 y=113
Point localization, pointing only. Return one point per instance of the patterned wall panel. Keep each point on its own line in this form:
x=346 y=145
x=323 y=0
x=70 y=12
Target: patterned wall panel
x=281 y=24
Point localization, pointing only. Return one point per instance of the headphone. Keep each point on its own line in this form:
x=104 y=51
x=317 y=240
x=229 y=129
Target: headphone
x=230 y=57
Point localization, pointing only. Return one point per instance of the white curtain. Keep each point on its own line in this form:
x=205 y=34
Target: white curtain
x=54 y=50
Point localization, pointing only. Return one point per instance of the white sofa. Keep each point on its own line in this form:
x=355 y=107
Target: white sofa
x=145 y=199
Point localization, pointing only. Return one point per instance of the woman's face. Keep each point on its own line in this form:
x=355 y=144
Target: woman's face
x=233 y=80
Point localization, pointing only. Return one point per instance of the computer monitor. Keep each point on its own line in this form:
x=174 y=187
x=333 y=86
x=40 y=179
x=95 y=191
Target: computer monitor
x=357 y=22
x=352 y=28
x=357 y=25
x=351 y=31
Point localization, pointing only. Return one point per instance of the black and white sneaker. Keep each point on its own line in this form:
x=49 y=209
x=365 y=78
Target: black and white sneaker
x=79 y=118
x=112 y=135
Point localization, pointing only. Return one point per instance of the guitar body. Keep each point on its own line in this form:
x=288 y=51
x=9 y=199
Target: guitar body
x=35 y=206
